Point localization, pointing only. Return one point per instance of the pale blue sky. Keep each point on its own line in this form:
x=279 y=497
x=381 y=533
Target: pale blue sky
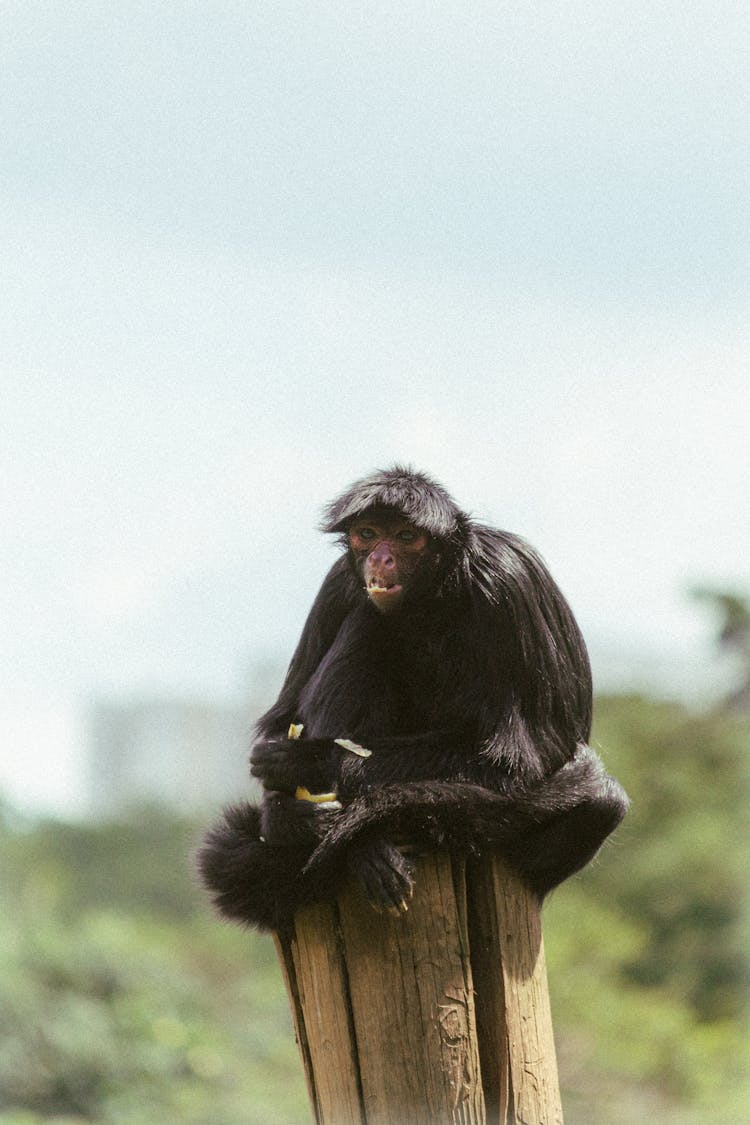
x=251 y=251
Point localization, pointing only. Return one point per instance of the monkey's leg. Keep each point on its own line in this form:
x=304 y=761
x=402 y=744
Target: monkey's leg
x=547 y=853
x=253 y=879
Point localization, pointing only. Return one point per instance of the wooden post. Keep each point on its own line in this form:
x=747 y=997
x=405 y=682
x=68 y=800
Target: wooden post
x=439 y=1017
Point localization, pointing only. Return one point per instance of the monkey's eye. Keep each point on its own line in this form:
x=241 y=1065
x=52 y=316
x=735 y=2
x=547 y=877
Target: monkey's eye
x=366 y=532
x=407 y=536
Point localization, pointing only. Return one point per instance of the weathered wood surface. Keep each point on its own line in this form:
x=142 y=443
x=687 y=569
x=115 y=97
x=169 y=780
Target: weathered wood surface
x=314 y=968
x=439 y=1017
x=510 y=977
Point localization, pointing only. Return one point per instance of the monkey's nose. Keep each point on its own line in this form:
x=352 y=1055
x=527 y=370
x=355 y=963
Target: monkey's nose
x=383 y=558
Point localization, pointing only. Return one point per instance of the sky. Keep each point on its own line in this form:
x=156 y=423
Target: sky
x=252 y=251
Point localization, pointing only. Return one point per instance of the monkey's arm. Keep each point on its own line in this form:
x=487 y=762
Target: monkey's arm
x=537 y=651
x=329 y=610
x=546 y=831
x=283 y=764
x=324 y=764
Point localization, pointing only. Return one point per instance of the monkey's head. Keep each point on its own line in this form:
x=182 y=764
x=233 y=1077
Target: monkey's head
x=401 y=529
x=388 y=550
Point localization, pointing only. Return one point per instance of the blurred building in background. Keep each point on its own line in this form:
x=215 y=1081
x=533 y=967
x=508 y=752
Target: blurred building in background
x=186 y=753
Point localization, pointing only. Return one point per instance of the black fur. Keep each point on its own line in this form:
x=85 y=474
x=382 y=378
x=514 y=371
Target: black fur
x=474 y=699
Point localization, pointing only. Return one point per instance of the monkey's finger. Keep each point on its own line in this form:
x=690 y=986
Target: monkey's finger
x=399 y=910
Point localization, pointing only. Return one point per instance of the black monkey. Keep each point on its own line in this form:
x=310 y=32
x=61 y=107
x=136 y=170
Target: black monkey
x=440 y=696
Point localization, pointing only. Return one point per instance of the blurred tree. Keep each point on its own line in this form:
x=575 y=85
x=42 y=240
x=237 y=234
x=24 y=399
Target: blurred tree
x=679 y=864
x=733 y=611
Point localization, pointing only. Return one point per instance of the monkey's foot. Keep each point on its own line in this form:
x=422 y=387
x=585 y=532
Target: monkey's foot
x=385 y=875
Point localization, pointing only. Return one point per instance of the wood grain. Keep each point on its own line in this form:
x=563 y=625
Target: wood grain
x=438 y=1017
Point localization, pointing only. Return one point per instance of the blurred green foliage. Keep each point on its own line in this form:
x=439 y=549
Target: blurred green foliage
x=124 y=1002
x=648 y=950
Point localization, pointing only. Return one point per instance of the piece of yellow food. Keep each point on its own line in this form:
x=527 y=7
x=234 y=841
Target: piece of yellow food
x=302 y=794
x=295 y=730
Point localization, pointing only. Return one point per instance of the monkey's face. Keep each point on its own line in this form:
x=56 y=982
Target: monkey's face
x=388 y=551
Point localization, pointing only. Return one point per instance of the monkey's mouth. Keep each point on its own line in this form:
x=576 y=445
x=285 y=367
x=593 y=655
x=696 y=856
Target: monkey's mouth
x=383 y=594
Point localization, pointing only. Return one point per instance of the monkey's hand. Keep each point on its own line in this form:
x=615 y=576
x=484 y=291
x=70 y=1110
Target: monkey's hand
x=285 y=822
x=385 y=875
x=286 y=763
